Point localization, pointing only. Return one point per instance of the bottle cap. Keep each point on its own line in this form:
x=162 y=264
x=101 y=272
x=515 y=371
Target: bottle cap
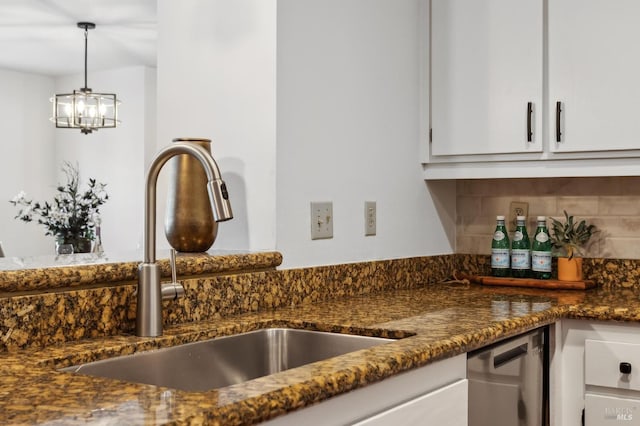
x=521 y=218
x=499 y=217
x=541 y=218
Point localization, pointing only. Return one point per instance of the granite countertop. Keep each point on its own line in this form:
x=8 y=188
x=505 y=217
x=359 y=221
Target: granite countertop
x=74 y=270
x=433 y=322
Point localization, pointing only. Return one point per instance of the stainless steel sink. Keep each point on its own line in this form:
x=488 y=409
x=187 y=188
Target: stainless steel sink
x=228 y=360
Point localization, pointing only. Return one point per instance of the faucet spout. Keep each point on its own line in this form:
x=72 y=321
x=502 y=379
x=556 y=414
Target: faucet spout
x=149 y=298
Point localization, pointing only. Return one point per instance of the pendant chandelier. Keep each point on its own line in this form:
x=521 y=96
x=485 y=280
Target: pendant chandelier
x=84 y=109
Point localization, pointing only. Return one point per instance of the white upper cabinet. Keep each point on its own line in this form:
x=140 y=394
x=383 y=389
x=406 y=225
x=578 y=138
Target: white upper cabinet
x=594 y=72
x=576 y=62
x=486 y=76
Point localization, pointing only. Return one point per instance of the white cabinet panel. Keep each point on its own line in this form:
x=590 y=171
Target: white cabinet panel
x=486 y=65
x=489 y=58
x=603 y=359
x=389 y=395
x=593 y=71
x=603 y=410
x=446 y=406
x=574 y=363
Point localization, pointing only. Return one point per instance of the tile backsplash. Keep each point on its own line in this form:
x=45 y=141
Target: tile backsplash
x=611 y=203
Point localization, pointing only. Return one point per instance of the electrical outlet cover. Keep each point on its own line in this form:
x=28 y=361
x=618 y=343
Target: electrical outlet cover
x=517 y=208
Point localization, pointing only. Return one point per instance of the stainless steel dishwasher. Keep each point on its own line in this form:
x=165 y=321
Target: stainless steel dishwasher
x=508 y=382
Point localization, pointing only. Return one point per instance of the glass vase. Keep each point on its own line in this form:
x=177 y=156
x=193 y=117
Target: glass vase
x=72 y=245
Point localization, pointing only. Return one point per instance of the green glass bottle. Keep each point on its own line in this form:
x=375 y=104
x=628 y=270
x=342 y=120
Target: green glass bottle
x=520 y=250
x=541 y=251
x=500 y=250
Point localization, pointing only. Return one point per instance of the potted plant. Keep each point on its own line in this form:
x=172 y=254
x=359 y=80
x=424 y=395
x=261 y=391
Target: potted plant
x=72 y=215
x=569 y=239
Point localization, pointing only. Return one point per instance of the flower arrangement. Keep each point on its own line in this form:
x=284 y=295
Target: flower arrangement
x=72 y=215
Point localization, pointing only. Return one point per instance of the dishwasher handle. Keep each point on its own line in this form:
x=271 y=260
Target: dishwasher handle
x=510 y=355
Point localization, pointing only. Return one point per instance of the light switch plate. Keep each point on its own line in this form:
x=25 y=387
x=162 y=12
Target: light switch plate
x=321 y=220
x=369 y=218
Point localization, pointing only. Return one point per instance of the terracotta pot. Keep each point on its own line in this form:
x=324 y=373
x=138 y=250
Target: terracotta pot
x=189 y=225
x=570 y=269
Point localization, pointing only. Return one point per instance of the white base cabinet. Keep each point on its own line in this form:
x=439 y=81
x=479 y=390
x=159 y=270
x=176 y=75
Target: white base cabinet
x=432 y=395
x=444 y=406
x=586 y=373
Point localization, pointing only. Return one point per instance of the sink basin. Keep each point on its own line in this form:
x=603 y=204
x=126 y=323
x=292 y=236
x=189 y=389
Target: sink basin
x=227 y=360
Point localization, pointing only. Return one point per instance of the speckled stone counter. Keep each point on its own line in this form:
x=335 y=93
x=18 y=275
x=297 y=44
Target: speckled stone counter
x=76 y=270
x=432 y=322
x=39 y=319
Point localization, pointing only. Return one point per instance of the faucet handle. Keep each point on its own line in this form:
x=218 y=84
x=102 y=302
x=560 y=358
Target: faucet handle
x=172 y=290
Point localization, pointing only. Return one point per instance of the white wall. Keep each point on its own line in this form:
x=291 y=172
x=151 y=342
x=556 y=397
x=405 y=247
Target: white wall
x=328 y=93
x=115 y=156
x=26 y=152
x=32 y=151
x=216 y=79
x=349 y=93
x=347 y=105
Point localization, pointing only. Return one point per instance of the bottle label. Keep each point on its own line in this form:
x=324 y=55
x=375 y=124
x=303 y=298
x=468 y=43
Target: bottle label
x=518 y=236
x=520 y=259
x=498 y=235
x=541 y=261
x=500 y=258
x=542 y=237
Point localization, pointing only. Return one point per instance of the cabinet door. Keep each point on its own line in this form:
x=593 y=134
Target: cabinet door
x=435 y=386
x=573 y=379
x=594 y=71
x=445 y=406
x=486 y=66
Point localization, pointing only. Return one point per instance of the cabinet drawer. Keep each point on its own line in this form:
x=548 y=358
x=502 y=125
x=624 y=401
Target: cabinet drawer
x=603 y=361
x=602 y=410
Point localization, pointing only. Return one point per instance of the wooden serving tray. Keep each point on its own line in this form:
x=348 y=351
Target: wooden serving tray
x=530 y=282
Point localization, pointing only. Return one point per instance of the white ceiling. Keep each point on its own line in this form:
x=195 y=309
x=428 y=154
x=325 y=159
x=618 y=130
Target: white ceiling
x=42 y=36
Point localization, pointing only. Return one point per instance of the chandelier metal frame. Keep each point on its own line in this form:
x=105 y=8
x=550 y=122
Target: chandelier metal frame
x=84 y=109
